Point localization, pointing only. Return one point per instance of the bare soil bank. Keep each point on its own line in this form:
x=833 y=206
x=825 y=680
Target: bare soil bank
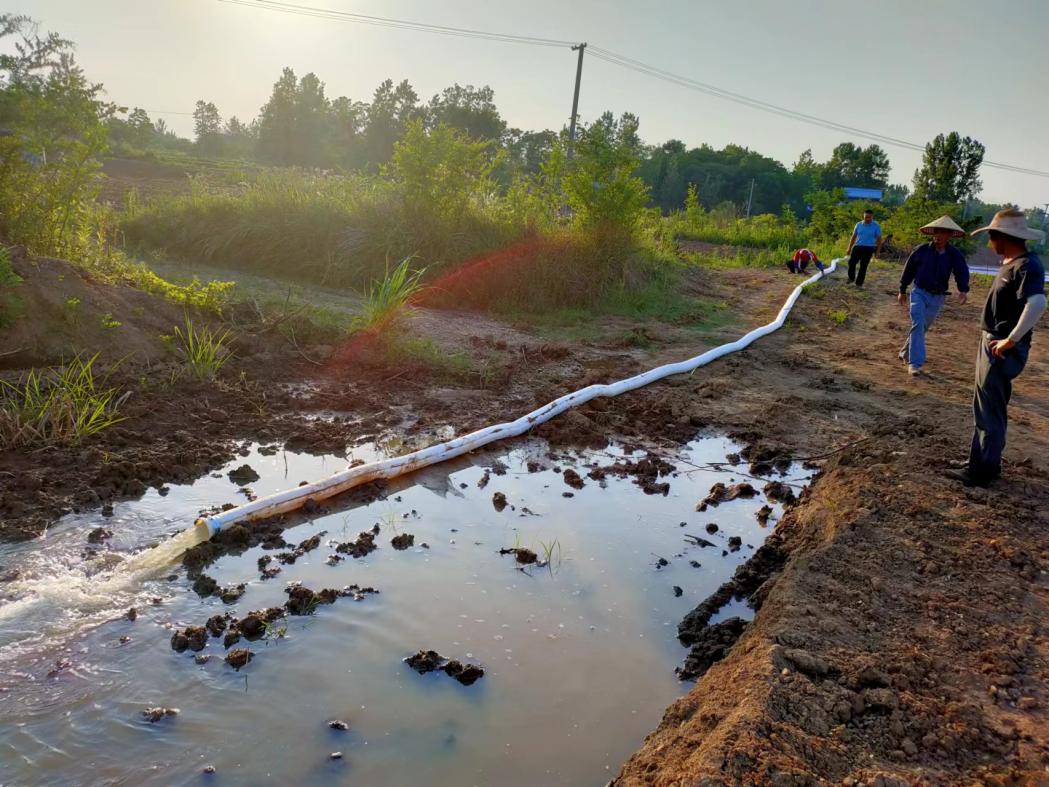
x=904 y=641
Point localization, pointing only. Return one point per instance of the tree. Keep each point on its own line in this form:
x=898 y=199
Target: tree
x=950 y=170
x=439 y=171
x=56 y=134
x=851 y=165
x=895 y=194
x=601 y=187
x=527 y=150
x=469 y=109
x=207 y=124
x=388 y=115
x=277 y=121
x=346 y=122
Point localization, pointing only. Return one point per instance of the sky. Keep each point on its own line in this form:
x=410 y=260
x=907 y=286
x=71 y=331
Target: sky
x=908 y=69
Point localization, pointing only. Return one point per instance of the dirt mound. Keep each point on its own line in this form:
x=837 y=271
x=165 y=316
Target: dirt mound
x=63 y=311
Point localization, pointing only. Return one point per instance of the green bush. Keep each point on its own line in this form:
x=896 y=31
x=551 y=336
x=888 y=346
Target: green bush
x=600 y=185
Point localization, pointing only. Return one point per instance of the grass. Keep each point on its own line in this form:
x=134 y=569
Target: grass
x=839 y=316
x=10 y=303
x=387 y=297
x=332 y=230
x=60 y=405
x=763 y=232
x=402 y=350
x=204 y=351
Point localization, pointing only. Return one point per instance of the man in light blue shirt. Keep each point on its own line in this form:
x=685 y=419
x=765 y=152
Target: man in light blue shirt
x=864 y=244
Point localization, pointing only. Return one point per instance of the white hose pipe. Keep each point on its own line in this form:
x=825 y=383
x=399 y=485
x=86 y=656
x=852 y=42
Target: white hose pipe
x=291 y=499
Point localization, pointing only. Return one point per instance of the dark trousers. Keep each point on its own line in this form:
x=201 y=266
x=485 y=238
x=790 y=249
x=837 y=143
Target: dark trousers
x=994 y=386
x=862 y=255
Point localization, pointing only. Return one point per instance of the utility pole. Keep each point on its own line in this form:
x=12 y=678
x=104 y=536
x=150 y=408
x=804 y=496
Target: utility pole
x=750 y=199
x=575 y=98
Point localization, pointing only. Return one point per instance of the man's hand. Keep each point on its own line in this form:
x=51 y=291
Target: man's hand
x=962 y=298
x=902 y=298
x=999 y=347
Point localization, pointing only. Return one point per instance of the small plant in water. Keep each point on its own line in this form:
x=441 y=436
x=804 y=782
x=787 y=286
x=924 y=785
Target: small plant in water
x=551 y=554
x=203 y=350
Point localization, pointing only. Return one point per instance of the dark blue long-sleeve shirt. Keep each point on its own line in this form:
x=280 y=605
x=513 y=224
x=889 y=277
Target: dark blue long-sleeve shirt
x=931 y=270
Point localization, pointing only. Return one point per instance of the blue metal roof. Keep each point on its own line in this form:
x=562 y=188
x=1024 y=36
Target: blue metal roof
x=853 y=192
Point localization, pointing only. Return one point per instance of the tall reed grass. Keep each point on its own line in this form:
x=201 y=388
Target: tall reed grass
x=336 y=230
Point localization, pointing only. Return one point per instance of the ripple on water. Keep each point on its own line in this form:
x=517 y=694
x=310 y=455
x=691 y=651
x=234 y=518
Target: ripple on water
x=579 y=655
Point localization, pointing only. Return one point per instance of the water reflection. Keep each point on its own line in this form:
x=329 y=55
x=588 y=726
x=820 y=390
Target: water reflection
x=579 y=660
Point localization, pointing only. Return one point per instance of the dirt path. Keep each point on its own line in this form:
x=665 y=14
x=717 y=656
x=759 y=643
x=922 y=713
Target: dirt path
x=904 y=641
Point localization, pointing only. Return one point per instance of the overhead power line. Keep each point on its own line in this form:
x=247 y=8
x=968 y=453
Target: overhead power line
x=402 y=24
x=608 y=56
x=717 y=92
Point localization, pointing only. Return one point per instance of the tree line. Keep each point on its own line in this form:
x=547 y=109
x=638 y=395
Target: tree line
x=301 y=126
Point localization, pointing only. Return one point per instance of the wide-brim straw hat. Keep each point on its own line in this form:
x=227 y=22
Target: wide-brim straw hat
x=943 y=223
x=1013 y=226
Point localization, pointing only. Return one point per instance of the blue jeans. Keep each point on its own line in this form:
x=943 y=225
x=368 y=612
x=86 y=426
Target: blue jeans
x=924 y=308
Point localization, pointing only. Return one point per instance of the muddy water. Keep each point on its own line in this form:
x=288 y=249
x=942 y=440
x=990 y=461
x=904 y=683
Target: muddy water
x=579 y=655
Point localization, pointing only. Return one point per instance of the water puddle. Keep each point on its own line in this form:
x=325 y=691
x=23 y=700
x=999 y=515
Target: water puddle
x=578 y=653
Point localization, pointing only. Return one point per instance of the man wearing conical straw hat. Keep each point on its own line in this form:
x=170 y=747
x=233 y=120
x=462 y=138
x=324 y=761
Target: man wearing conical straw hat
x=1014 y=305
x=930 y=267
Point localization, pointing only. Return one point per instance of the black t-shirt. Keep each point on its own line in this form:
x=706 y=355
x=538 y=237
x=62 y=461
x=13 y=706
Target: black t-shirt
x=1016 y=281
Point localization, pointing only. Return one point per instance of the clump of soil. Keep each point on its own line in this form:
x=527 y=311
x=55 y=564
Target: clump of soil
x=243 y=475
x=239 y=657
x=153 y=715
x=499 y=501
x=431 y=661
x=232 y=593
x=709 y=646
x=778 y=492
x=364 y=545
x=303 y=601
x=98 y=535
x=216 y=625
x=523 y=555
x=288 y=558
x=720 y=493
x=573 y=479
x=192 y=637
x=646 y=473
x=403 y=541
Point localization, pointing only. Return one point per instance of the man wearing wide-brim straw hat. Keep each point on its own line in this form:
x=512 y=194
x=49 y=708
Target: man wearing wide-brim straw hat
x=930 y=267
x=1014 y=305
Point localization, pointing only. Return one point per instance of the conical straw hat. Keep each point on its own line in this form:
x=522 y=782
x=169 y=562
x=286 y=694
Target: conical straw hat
x=943 y=223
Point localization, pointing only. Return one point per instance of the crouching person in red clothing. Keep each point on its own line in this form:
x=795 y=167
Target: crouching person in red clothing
x=801 y=259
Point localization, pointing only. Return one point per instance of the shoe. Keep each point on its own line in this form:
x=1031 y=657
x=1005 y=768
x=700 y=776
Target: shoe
x=902 y=355
x=967 y=479
x=914 y=371
x=963 y=464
